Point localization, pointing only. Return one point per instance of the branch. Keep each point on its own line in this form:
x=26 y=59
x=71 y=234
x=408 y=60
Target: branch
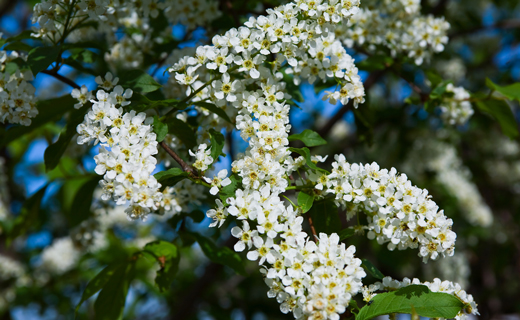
x=184 y=166
x=371 y=80
x=61 y=78
x=313 y=230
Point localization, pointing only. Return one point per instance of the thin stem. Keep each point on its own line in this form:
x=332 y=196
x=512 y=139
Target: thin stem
x=312 y=225
x=184 y=166
x=61 y=78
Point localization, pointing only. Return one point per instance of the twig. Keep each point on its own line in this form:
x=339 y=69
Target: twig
x=184 y=166
x=61 y=78
x=312 y=225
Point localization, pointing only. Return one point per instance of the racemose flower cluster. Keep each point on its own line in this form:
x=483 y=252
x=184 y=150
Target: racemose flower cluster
x=128 y=163
x=398 y=212
x=313 y=278
x=397 y=26
x=17 y=100
x=456 y=109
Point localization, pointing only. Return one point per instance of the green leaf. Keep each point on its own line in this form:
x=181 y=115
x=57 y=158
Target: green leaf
x=182 y=131
x=501 y=112
x=160 y=129
x=171 y=176
x=80 y=209
x=376 y=62
x=434 y=77
x=221 y=255
x=309 y=138
x=168 y=257
x=419 y=297
x=139 y=81
x=512 y=91
x=305 y=201
x=48 y=110
x=325 y=217
x=217 y=144
x=97 y=283
x=229 y=190
x=439 y=91
x=213 y=108
x=41 y=58
x=28 y=215
x=346 y=233
x=18 y=46
x=55 y=151
x=141 y=103
x=307 y=155
x=110 y=302
x=371 y=269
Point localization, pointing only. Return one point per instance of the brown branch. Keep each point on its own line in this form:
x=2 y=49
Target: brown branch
x=184 y=166
x=61 y=78
x=371 y=80
x=313 y=230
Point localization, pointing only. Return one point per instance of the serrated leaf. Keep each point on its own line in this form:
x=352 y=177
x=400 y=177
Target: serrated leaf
x=48 y=110
x=371 y=269
x=419 y=297
x=110 y=302
x=55 y=151
x=217 y=144
x=160 y=129
x=182 y=131
x=80 y=209
x=97 y=283
x=229 y=190
x=171 y=176
x=41 y=58
x=141 y=103
x=512 y=91
x=346 y=233
x=305 y=201
x=501 y=112
x=167 y=256
x=309 y=138
x=307 y=155
x=139 y=81
x=214 y=109
x=221 y=255
x=325 y=217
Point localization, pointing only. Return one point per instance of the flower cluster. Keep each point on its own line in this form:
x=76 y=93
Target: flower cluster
x=60 y=256
x=398 y=212
x=456 y=109
x=470 y=307
x=313 y=280
x=17 y=100
x=442 y=158
x=11 y=271
x=128 y=163
x=397 y=26
x=58 y=19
